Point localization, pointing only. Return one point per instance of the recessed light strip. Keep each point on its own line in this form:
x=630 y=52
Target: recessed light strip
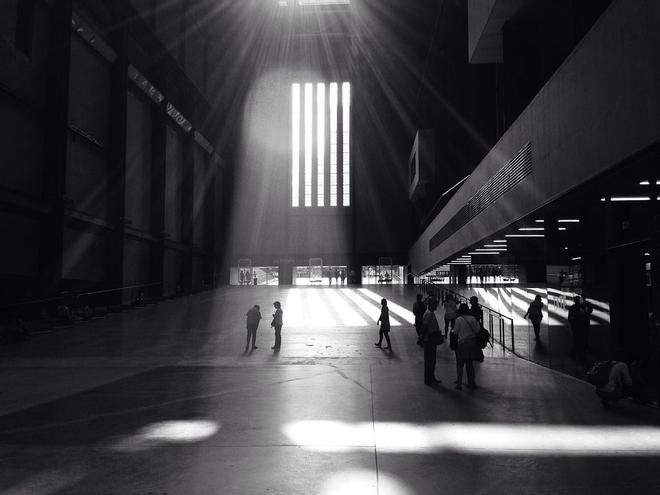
x=524 y=235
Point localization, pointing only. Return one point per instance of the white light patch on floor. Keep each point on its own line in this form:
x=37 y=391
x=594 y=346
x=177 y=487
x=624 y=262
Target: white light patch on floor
x=318 y=310
x=348 y=315
x=477 y=438
x=400 y=311
x=363 y=482
x=293 y=309
x=372 y=307
x=167 y=432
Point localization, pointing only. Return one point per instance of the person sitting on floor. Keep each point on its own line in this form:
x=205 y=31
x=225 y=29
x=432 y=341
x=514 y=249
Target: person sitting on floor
x=618 y=385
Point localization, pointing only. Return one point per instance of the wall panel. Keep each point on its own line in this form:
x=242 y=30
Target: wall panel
x=84 y=256
x=138 y=162
x=173 y=183
x=19 y=249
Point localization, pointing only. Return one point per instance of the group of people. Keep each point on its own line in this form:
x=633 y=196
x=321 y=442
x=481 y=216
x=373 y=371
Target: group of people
x=254 y=317
x=247 y=277
x=337 y=275
x=463 y=325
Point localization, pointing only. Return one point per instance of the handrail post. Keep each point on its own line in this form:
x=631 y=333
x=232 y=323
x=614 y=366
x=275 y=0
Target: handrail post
x=502 y=334
x=513 y=340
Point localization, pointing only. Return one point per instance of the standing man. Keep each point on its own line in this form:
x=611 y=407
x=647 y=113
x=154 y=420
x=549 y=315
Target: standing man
x=476 y=311
x=253 y=317
x=579 y=316
x=430 y=326
x=418 y=309
x=277 y=325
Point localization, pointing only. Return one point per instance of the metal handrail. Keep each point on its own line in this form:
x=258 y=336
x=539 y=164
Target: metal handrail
x=501 y=330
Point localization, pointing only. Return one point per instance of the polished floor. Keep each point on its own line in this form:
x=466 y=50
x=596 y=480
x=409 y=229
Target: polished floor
x=164 y=400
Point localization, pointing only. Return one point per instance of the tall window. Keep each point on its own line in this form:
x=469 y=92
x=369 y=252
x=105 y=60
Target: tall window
x=316 y=131
x=295 y=146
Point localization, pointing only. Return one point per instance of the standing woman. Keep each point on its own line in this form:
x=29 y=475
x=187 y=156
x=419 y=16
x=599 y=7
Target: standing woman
x=432 y=337
x=384 y=321
x=466 y=330
x=535 y=313
x=449 y=305
x=277 y=325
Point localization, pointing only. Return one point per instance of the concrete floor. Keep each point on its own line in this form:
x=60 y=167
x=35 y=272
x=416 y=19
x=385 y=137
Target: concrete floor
x=163 y=400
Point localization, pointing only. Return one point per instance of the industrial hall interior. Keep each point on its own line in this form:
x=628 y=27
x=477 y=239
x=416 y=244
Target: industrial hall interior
x=329 y=247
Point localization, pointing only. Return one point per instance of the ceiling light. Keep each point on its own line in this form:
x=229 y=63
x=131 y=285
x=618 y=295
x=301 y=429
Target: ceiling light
x=540 y=221
x=644 y=183
x=603 y=199
x=494 y=246
x=323 y=2
x=491 y=249
x=485 y=252
x=630 y=198
x=524 y=235
x=568 y=220
x=577 y=258
x=526 y=229
x=561 y=228
x=499 y=240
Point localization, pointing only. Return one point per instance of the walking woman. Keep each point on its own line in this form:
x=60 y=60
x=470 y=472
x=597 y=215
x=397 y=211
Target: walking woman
x=466 y=330
x=384 y=321
x=535 y=314
x=277 y=325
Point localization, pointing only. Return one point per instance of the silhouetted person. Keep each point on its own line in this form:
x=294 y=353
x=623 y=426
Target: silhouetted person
x=535 y=314
x=342 y=276
x=277 y=325
x=619 y=384
x=253 y=317
x=254 y=279
x=467 y=350
x=418 y=309
x=449 y=305
x=430 y=326
x=241 y=277
x=384 y=320
x=476 y=311
x=578 y=317
x=336 y=276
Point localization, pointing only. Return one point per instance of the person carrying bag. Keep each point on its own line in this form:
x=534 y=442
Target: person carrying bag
x=466 y=331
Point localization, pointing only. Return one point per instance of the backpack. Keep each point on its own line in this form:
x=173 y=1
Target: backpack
x=599 y=374
x=483 y=338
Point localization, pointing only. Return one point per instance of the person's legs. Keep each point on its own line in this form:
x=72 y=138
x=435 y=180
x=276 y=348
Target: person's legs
x=387 y=338
x=254 y=337
x=278 y=338
x=469 y=366
x=537 y=329
x=380 y=338
x=249 y=333
x=429 y=363
x=459 y=374
x=446 y=326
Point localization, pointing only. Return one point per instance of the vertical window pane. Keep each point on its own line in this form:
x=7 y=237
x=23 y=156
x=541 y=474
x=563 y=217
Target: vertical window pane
x=346 y=135
x=333 y=144
x=295 y=145
x=309 y=109
x=320 y=144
